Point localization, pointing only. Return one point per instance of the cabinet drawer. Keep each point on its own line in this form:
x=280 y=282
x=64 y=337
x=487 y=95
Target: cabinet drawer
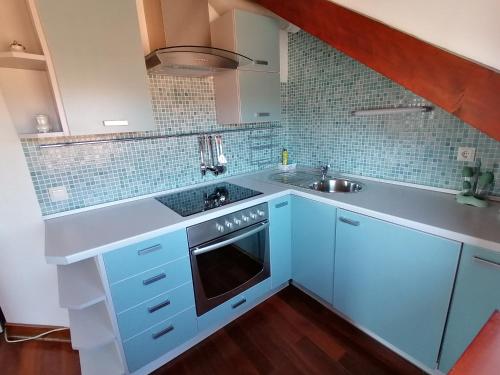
x=149 y=284
x=144 y=255
x=160 y=339
x=137 y=319
x=224 y=312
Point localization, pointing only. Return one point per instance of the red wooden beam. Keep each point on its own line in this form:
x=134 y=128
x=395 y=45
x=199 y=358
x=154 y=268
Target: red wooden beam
x=461 y=87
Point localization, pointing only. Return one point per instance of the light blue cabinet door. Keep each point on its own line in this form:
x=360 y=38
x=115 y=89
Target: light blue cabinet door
x=476 y=296
x=280 y=234
x=395 y=282
x=313 y=245
x=98 y=59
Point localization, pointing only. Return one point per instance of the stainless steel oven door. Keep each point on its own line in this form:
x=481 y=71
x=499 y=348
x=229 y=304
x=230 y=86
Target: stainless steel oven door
x=224 y=267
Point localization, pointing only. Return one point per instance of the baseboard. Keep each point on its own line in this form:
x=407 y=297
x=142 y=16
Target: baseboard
x=21 y=331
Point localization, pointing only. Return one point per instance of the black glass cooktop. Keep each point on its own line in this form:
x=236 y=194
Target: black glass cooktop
x=190 y=202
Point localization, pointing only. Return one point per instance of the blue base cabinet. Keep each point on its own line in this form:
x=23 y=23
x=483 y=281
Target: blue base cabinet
x=476 y=297
x=395 y=282
x=152 y=292
x=313 y=245
x=280 y=233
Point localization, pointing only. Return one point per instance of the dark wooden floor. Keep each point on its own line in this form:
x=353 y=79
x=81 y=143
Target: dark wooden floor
x=288 y=334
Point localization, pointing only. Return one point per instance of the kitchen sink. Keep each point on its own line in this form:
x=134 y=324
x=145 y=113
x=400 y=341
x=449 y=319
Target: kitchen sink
x=310 y=181
x=336 y=185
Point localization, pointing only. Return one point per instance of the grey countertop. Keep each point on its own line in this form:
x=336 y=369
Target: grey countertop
x=79 y=236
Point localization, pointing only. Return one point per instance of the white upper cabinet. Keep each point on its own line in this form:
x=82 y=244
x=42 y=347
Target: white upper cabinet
x=96 y=51
x=252 y=93
x=251 y=35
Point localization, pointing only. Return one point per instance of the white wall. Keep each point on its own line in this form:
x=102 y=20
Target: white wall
x=28 y=286
x=470 y=28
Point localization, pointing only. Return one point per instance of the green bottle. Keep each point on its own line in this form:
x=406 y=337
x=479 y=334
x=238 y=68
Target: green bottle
x=284 y=157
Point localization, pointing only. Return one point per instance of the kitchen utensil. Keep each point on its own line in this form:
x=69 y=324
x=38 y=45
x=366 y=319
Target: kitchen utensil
x=221 y=158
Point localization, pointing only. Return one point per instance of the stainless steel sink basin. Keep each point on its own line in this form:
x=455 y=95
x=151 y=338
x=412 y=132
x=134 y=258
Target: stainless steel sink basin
x=337 y=185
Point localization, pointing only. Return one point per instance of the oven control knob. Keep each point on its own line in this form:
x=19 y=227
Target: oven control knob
x=219 y=227
x=229 y=225
x=260 y=213
x=245 y=218
x=237 y=221
x=253 y=215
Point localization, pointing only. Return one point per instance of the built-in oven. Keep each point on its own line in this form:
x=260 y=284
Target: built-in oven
x=229 y=254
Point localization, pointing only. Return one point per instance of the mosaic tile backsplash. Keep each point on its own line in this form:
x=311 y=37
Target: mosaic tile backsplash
x=324 y=87
x=95 y=174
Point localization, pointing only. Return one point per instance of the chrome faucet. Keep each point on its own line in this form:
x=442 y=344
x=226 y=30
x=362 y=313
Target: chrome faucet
x=324 y=171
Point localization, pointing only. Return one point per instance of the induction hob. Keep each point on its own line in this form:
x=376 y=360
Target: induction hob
x=193 y=201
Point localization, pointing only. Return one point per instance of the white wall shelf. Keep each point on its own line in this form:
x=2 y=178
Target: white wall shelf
x=22 y=60
x=103 y=360
x=91 y=327
x=80 y=285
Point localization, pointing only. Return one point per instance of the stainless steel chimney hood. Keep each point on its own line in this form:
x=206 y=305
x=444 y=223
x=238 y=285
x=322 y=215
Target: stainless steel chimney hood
x=188 y=50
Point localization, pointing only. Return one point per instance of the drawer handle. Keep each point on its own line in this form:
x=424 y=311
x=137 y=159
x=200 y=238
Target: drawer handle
x=282 y=204
x=486 y=261
x=163 y=332
x=161 y=305
x=261 y=62
x=154 y=279
x=262 y=114
x=349 y=221
x=148 y=250
x=239 y=303
x=115 y=122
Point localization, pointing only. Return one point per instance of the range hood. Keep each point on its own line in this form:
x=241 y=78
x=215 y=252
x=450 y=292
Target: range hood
x=188 y=50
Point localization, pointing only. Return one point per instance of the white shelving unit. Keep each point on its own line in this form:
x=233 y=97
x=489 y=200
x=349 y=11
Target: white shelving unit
x=103 y=360
x=28 y=80
x=80 y=285
x=22 y=60
x=82 y=292
x=91 y=327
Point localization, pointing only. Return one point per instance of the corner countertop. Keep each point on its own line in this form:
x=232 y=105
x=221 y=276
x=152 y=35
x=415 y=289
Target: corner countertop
x=79 y=236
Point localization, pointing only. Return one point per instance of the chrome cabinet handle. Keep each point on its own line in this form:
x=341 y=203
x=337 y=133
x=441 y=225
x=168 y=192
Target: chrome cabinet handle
x=261 y=62
x=159 y=306
x=148 y=250
x=262 y=114
x=349 y=221
x=154 y=279
x=486 y=261
x=282 y=204
x=115 y=122
x=239 y=303
x=163 y=332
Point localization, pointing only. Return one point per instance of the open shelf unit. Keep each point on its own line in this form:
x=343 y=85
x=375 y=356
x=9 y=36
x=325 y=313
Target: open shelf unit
x=91 y=327
x=80 y=285
x=103 y=360
x=22 y=60
x=28 y=80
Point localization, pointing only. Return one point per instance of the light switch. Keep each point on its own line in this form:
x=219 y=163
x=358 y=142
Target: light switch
x=58 y=193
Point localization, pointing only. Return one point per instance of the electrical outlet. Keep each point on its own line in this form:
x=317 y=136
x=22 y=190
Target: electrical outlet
x=466 y=153
x=58 y=194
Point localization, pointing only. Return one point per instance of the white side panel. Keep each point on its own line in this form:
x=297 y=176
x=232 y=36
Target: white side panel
x=28 y=286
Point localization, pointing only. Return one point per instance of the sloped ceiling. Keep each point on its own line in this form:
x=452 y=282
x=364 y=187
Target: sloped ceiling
x=466 y=89
x=467 y=28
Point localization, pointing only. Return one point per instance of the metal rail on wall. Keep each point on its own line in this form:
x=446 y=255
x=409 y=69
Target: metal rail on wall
x=166 y=136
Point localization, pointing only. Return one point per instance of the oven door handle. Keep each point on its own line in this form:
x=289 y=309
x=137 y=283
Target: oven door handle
x=217 y=245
